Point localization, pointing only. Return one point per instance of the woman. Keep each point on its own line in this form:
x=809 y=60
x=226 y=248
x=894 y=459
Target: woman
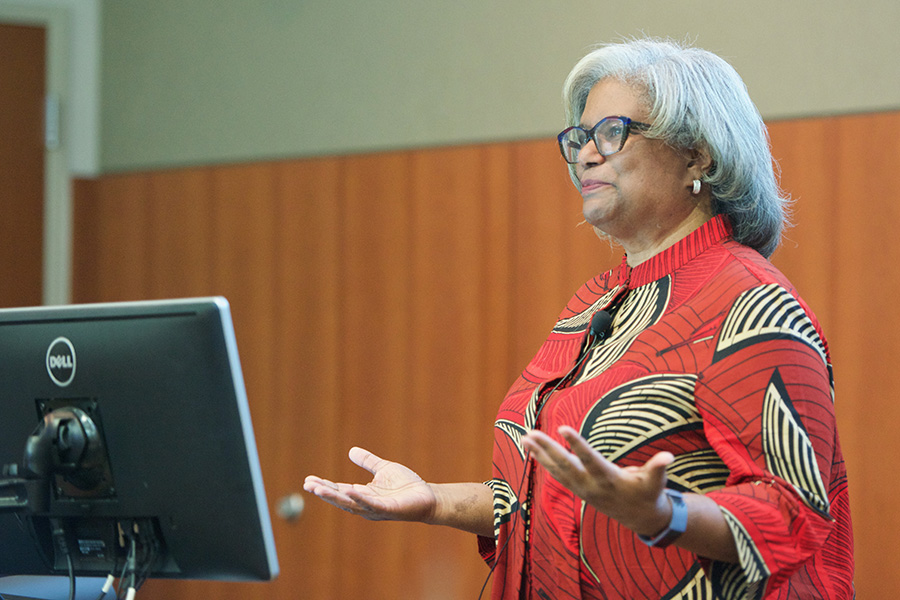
x=675 y=434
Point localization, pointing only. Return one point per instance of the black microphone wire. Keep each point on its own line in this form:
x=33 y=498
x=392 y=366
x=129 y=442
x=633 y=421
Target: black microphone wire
x=599 y=329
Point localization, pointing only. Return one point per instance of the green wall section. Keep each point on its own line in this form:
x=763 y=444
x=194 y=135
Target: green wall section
x=188 y=82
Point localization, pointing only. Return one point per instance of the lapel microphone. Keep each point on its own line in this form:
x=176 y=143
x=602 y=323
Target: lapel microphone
x=600 y=324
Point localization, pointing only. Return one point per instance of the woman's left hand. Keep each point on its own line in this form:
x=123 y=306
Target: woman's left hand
x=633 y=496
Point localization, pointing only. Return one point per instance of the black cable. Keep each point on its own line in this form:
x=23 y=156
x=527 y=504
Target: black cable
x=61 y=543
x=585 y=352
x=120 y=578
x=525 y=470
x=128 y=567
x=512 y=526
x=150 y=546
x=134 y=562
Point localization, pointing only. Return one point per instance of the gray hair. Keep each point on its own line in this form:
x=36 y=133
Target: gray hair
x=697 y=100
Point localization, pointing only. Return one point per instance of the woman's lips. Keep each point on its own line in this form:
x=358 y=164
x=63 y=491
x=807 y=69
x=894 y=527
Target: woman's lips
x=589 y=186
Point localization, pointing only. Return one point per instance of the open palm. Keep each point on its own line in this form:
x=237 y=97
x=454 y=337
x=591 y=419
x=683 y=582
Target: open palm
x=396 y=493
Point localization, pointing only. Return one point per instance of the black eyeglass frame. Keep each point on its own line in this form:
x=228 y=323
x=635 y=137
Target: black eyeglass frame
x=591 y=133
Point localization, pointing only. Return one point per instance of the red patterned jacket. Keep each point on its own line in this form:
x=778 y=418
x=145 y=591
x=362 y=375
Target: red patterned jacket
x=714 y=357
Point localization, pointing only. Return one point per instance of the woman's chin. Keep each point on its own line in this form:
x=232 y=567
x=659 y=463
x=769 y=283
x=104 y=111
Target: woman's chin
x=598 y=215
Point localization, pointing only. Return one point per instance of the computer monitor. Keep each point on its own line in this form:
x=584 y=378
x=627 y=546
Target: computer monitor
x=126 y=442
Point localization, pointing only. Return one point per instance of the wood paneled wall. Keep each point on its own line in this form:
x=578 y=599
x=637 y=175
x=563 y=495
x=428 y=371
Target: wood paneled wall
x=389 y=300
x=843 y=255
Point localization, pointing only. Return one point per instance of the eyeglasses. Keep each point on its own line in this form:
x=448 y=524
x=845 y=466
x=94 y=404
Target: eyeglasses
x=609 y=136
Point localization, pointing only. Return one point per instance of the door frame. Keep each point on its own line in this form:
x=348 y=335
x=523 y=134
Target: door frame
x=57 y=242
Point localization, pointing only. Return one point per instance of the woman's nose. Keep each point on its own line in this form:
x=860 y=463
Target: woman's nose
x=589 y=154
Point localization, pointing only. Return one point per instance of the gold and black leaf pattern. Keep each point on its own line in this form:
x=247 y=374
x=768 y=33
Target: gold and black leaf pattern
x=505 y=502
x=640 y=411
x=515 y=432
x=640 y=309
x=766 y=312
x=746 y=579
x=579 y=322
x=788 y=450
x=700 y=471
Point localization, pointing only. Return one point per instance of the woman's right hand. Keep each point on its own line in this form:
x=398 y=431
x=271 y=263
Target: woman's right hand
x=395 y=493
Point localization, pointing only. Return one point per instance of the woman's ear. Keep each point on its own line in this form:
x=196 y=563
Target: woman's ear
x=699 y=162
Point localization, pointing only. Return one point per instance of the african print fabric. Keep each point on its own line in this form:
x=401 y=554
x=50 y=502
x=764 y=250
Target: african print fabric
x=712 y=356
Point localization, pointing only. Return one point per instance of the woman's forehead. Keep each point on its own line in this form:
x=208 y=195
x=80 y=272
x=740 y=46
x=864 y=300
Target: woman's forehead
x=613 y=97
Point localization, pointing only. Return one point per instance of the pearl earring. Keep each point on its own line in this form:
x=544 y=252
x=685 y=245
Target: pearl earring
x=696 y=188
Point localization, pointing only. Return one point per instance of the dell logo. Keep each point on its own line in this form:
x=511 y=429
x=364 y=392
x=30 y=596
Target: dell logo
x=61 y=361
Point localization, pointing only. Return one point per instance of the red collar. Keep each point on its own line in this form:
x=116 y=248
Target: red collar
x=669 y=260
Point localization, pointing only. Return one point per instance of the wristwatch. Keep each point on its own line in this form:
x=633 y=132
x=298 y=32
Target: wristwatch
x=677 y=524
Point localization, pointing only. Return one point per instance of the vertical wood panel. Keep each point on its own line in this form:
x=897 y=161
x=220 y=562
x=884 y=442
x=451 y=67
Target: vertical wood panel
x=866 y=326
x=843 y=172
x=180 y=248
x=457 y=245
x=375 y=356
x=307 y=397
x=85 y=230
x=498 y=366
x=454 y=249
x=245 y=259
x=808 y=252
x=113 y=255
x=234 y=249
x=388 y=300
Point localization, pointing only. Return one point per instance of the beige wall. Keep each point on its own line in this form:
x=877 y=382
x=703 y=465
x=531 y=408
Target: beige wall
x=212 y=81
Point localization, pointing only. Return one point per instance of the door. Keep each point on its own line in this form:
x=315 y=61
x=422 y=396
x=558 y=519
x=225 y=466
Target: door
x=22 y=91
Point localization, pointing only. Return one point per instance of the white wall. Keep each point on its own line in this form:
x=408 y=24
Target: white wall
x=210 y=81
